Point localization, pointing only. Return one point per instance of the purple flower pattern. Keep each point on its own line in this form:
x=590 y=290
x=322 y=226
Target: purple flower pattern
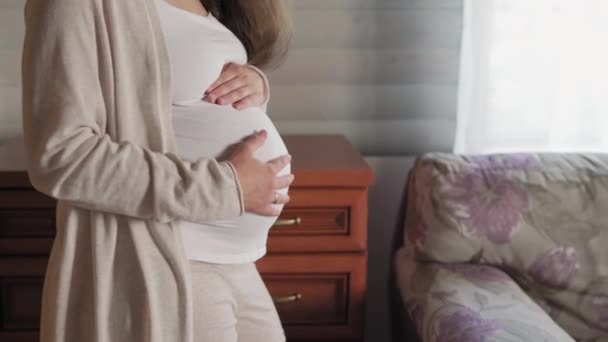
x=488 y=201
x=465 y=325
x=555 y=268
x=493 y=204
x=478 y=273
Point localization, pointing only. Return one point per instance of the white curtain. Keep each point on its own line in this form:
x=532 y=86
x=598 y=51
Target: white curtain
x=534 y=76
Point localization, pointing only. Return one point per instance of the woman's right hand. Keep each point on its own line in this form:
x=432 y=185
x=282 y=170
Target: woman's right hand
x=259 y=181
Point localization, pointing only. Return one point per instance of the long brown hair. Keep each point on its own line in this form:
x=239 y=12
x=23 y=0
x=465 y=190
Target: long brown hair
x=263 y=26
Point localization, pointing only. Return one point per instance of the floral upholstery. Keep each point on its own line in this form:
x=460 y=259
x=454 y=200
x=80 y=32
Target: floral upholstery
x=471 y=302
x=495 y=245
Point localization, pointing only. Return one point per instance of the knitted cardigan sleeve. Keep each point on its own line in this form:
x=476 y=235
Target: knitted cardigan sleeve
x=70 y=154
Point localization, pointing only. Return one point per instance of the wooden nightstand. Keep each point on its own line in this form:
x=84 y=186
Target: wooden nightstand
x=315 y=269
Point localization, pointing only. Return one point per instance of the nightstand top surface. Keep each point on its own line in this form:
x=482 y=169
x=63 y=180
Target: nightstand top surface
x=327 y=160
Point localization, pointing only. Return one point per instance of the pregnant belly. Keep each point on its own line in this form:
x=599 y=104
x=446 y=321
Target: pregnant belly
x=206 y=130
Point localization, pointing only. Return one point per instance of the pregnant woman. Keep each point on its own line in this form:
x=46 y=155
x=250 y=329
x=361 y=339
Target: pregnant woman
x=164 y=200
x=231 y=301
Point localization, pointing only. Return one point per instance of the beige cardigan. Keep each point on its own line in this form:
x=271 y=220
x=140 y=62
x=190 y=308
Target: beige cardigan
x=99 y=138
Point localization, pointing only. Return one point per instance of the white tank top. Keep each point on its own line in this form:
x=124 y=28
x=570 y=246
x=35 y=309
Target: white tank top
x=198 y=48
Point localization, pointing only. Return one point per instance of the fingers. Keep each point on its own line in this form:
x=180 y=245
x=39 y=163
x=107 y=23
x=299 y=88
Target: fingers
x=281 y=199
x=278 y=164
x=230 y=71
x=230 y=91
x=269 y=210
x=282 y=181
x=236 y=95
x=255 y=140
x=238 y=85
x=247 y=102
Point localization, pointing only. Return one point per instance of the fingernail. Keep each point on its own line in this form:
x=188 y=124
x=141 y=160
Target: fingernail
x=289 y=157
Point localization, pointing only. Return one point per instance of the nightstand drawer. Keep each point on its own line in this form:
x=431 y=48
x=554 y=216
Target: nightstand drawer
x=313 y=221
x=21 y=281
x=25 y=199
x=322 y=220
x=309 y=298
x=27 y=223
x=317 y=296
x=26 y=214
x=22 y=300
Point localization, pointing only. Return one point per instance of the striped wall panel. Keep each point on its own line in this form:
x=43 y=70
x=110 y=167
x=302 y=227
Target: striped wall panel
x=382 y=72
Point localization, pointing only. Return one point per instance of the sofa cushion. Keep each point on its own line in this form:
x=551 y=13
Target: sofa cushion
x=468 y=302
x=543 y=218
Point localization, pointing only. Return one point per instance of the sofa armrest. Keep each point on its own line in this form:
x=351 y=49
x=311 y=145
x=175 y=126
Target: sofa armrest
x=469 y=302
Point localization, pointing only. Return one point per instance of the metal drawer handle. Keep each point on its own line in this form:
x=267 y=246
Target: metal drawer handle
x=296 y=297
x=288 y=222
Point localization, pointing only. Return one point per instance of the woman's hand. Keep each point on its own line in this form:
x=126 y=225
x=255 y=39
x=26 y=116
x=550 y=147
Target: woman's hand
x=239 y=86
x=259 y=181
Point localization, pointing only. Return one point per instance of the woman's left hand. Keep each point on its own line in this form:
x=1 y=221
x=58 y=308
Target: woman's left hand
x=239 y=86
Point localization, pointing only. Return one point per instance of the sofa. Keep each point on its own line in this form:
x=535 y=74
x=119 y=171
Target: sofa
x=509 y=247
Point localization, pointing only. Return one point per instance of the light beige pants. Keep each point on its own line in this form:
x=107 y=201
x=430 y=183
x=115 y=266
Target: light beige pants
x=232 y=304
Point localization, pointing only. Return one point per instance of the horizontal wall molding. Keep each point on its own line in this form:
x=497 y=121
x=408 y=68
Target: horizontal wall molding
x=360 y=101
x=382 y=72
x=382 y=138
x=378 y=28
x=369 y=66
